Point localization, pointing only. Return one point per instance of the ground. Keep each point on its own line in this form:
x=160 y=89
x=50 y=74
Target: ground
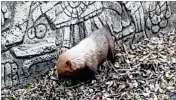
x=146 y=71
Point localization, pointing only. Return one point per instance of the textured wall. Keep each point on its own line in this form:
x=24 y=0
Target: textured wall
x=34 y=32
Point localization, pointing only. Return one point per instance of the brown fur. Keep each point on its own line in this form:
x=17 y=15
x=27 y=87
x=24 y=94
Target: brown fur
x=90 y=52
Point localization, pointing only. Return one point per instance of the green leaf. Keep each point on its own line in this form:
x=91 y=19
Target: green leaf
x=29 y=88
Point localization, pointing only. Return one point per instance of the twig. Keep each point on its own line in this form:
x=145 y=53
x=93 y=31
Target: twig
x=110 y=64
x=74 y=85
x=145 y=57
x=113 y=95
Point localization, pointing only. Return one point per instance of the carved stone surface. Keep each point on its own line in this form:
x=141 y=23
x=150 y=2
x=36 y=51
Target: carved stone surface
x=2 y=76
x=9 y=73
x=30 y=50
x=11 y=37
x=34 y=33
x=28 y=63
x=7 y=15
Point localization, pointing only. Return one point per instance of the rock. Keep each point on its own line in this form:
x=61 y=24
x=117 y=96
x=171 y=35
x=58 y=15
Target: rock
x=4 y=8
x=152 y=6
x=113 y=5
x=31 y=50
x=32 y=69
x=119 y=35
x=21 y=13
x=2 y=76
x=163 y=6
x=28 y=63
x=97 y=22
x=155 y=28
x=58 y=40
x=31 y=33
x=7 y=15
x=87 y=26
x=7 y=71
x=130 y=29
x=148 y=23
x=41 y=30
x=168 y=12
x=93 y=26
x=36 y=12
x=158 y=10
x=133 y=6
x=66 y=37
x=163 y=23
x=2 y=18
x=116 y=22
x=75 y=34
x=156 y=19
x=82 y=33
x=88 y=10
x=15 y=75
x=125 y=19
x=14 y=69
x=15 y=80
x=14 y=36
x=137 y=15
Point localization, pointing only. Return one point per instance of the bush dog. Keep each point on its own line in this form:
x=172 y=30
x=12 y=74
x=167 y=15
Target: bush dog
x=89 y=53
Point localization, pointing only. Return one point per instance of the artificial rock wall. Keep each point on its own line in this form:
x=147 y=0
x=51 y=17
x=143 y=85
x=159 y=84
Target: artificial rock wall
x=33 y=33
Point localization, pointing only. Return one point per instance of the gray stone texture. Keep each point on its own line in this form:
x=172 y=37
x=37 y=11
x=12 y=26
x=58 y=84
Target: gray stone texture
x=30 y=50
x=33 y=34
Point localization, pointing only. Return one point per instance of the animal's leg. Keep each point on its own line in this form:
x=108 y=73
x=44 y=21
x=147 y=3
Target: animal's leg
x=111 y=52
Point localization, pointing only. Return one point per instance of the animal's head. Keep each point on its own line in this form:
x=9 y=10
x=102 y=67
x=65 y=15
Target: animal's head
x=64 y=67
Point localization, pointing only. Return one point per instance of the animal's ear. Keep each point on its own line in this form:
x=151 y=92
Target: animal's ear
x=70 y=66
x=68 y=63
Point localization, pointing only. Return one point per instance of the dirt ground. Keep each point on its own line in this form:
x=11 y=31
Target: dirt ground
x=145 y=72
